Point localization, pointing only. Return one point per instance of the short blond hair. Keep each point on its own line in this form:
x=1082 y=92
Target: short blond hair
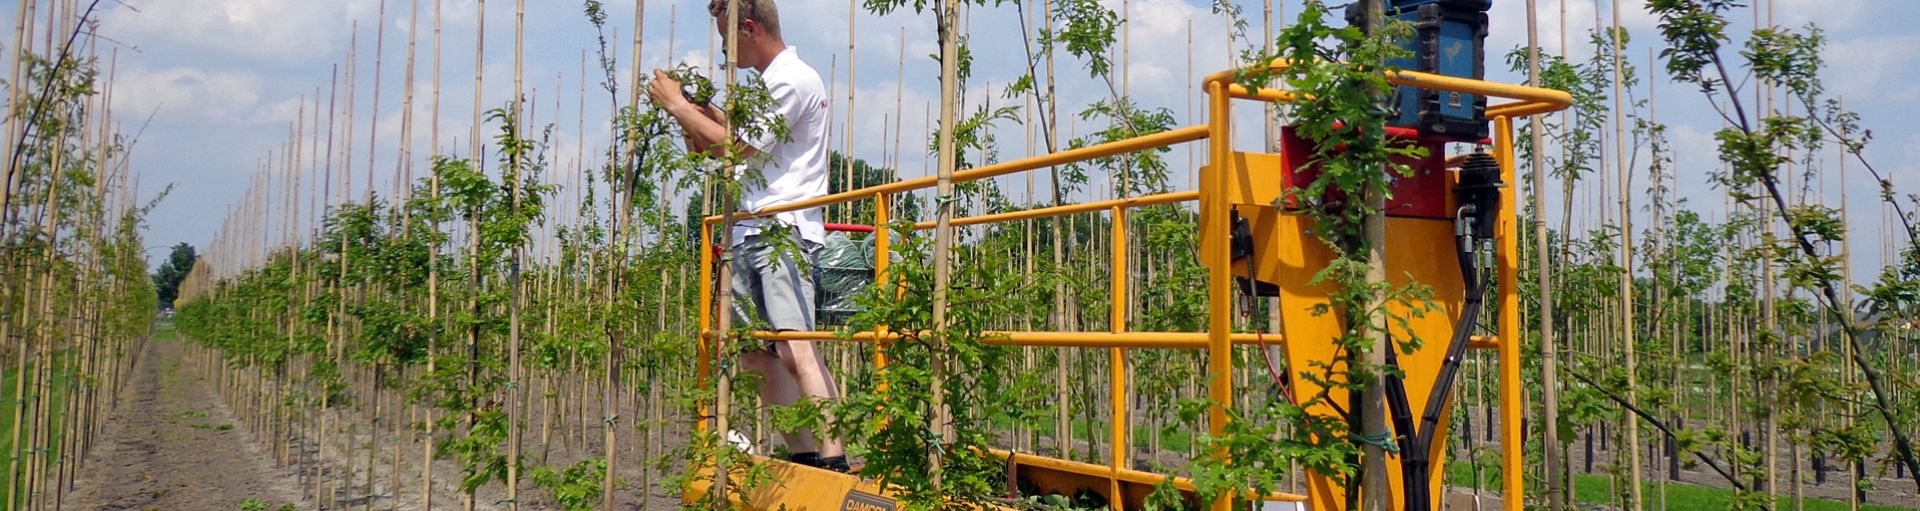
x=762 y=12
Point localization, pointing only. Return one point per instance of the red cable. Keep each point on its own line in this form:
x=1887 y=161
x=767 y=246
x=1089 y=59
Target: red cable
x=1260 y=337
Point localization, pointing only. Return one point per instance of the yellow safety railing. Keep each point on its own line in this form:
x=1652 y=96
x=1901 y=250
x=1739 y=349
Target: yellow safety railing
x=1219 y=337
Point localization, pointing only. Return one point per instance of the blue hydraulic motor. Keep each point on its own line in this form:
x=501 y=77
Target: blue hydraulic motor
x=1449 y=39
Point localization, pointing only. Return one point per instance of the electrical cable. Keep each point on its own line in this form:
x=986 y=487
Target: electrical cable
x=1242 y=248
x=1479 y=179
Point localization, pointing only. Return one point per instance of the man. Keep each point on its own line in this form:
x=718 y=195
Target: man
x=779 y=288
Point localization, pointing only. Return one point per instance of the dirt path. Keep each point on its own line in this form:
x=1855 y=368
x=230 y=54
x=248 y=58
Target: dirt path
x=174 y=444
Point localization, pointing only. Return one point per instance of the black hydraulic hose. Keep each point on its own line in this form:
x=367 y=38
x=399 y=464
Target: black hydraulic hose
x=1415 y=467
x=1479 y=178
x=1399 y=410
x=1450 y=368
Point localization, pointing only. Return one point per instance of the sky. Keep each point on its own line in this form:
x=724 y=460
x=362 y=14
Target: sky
x=226 y=81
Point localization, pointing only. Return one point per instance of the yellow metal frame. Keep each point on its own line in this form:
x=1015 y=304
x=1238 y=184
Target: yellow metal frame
x=1219 y=337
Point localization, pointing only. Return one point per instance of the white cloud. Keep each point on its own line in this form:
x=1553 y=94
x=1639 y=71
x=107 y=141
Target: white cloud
x=1828 y=14
x=1580 y=17
x=288 y=32
x=285 y=111
x=695 y=57
x=1159 y=61
x=230 y=98
x=1579 y=21
x=1861 y=69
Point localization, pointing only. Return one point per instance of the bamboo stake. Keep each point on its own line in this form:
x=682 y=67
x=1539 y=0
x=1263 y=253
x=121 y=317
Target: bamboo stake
x=1846 y=279
x=373 y=118
x=852 y=86
x=337 y=349
x=433 y=270
x=15 y=180
x=516 y=398
x=302 y=473
x=546 y=393
x=1626 y=324
x=610 y=370
x=566 y=438
x=1550 y=392
x=1024 y=437
x=373 y=137
x=1566 y=231
x=21 y=44
x=899 y=98
x=633 y=98
x=293 y=254
x=332 y=319
x=943 y=231
x=1268 y=114
x=649 y=416
x=473 y=233
x=724 y=303
x=405 y=189
x=1062 y=424
x=1662 y=297
x=1731 y=327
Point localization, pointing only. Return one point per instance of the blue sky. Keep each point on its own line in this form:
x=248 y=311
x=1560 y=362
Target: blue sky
x=225 y=80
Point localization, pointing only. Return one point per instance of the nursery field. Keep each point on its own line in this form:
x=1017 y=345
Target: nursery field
x=1332 y=264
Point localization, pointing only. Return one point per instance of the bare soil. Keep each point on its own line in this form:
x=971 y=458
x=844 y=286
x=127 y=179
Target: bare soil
x=176 y=444
x=173 y=444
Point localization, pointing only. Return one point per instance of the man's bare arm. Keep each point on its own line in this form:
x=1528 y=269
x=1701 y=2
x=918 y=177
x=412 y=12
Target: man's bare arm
x=700 y=123
x=703 y=128
x=712 y=112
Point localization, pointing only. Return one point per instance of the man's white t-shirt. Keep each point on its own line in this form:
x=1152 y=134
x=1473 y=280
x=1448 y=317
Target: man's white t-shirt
x=794 y=170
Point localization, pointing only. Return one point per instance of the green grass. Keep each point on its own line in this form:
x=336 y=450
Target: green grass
x=1597 y=489
x=8 y=379
x=1589 y=488
x=163 y=330
x=58 y=389
x=1170 y=441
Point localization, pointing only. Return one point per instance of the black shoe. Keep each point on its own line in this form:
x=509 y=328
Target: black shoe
x=811 y=459
x=835 y=463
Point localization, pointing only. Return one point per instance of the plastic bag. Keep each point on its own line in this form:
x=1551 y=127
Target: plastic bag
x=842 y=270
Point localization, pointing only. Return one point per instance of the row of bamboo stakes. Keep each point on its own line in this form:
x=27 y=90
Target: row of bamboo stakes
x=1616 y=334
x=76 y=301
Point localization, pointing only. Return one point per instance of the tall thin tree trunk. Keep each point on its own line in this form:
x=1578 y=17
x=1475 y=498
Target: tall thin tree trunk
x=1374 y=485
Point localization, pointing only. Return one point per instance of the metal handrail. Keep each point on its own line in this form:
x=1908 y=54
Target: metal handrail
x=1150 y=141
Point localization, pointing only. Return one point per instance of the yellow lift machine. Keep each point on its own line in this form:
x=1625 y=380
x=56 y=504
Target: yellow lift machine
x=1247 y=235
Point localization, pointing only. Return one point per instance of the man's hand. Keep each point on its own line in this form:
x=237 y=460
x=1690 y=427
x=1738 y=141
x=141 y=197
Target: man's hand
x=702 y=125
x=666 y=92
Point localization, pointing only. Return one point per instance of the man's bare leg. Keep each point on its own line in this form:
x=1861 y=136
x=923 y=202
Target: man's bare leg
x=809 y=371
x=778 y=388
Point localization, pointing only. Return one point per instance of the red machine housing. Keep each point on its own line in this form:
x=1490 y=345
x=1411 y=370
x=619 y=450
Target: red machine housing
x=1424 y=194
